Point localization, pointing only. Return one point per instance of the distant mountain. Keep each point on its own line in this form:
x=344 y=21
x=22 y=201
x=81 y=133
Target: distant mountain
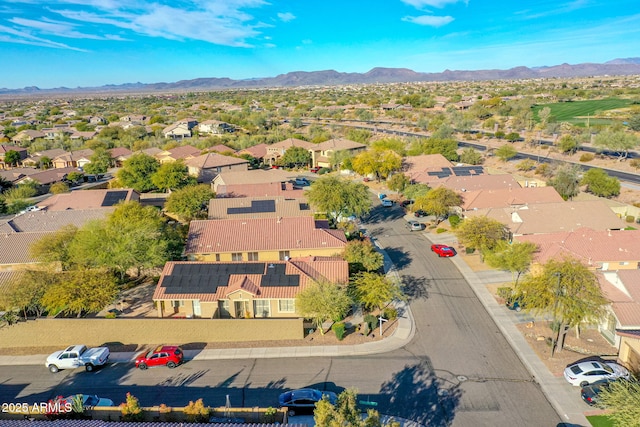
x=623 y=66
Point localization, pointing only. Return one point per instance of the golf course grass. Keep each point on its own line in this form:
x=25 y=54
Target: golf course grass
x=579 y=112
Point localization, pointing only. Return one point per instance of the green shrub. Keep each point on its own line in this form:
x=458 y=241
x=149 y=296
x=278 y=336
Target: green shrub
x=390 y=313
x=586 y=157
x=630 y=218
x=270 y=415
x=441 y=230
x=322 y=171
x=454 y=220
x=371 y=321
x=505 y=292
x=131 y=410
x=470 y=250
x=338 y=329
x=110 y=315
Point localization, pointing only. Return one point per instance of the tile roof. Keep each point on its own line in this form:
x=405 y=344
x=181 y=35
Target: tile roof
x=282 y=146
x=425 y=162
x=255 y=176
x=50 y=176
x=6 y=277
x=475 y=182
x=221 y=148
x=242 y=235
x=257 y=151
x=88 y=199
x=213 y=281
x=75 y=155
x=545 y=218
x=591 y=246
x=214 y=160
x=182 y=152
x=504 y=197
x=45 y=220
x=260 y=190
x=120 y=152
x=15 y=174
x=14 y=247
x=257 y=207
x=4 y=148
x=337 y=144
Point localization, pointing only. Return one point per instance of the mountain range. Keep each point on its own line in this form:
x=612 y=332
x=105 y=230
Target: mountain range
x=621 y=66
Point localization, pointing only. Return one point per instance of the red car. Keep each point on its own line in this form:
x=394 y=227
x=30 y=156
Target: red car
x=315 y=169
x=164 y=355
x=443 y=250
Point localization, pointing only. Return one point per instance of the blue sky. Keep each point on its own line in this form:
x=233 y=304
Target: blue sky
x=81 y=43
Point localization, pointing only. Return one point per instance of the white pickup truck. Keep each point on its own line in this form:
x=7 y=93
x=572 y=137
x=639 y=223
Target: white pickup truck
x=77 y=355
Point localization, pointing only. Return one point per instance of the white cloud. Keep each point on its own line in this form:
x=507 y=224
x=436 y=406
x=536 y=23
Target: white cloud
x=286 y=17
x=429 y=20
x=420 y=4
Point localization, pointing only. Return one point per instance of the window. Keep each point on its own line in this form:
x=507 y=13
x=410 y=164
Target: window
x=252 y=256
x=218 y=257
x=236 y=256
x=262 y=308
x=287 y=305
x=284 y=255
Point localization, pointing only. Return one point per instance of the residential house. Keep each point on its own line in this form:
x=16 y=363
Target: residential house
x=184 y=152
x=14 y=249
x=221 y=148
x=82 y=136
x=262 y=239
x=56 y=132
x=258 y=151
x=89 y=199
x=119 y=155
x=48 y=155
x=45 y=178
x=151 y=151
x=241 y=290
x=73 y=159
x=256 y=183
x=622 y=325
x=321 y=153
x=27 y=135
x=277 y=150
x=134 y=118
x=177 y=131
x=207 y=166
x=5 y=148
x=545 y=218
x=15 y=174
x=508 y=197
x=603 y=250
x=257 y=207
x=215 y=127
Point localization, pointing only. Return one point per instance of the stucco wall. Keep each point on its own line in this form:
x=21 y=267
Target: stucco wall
x=268 y=255
x=94 y=332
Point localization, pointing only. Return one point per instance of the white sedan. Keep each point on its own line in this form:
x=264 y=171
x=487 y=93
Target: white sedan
x=583 y=373
x=387 y=203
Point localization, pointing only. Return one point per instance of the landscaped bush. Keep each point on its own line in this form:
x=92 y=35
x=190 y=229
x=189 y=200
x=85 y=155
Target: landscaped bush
x=371 y=321
x=630 y=218
x=390 y=313
x=196 y=412
x=441 y=230
x=454 y=220
x=586 y=157
x=339 y=329
x=505 y=292
x=322 y=171
x=131 y=410
x=470 y=250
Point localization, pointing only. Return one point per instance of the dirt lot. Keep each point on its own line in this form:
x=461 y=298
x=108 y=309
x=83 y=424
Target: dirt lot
x=591 y=343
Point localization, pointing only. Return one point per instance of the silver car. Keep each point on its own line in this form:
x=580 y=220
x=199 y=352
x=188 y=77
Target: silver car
x=414 y=225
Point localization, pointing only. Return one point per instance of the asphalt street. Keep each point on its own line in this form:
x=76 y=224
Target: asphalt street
x=458 y=370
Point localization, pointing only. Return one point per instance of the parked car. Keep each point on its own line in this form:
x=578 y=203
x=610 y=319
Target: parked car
x=414 y=225
x=407 y=203
x=420 y=213
x=304 y=399
x=164 y=355
x=590 y=393
x=315 y=169
x=75 y=356
x=588 y=372
x=386 y=203
x=301 y=182
x=443 y=250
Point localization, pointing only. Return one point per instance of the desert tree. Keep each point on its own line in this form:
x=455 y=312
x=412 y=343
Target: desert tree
x=481 y=233
x=362 y=256
x=515 y=257
x=80 y=291
x=374 y=290
x=598 y=182
x=438 y=201
x=339 y=198
x=566 y=180
x=322 y=301
x=622 y=399
x=190 y=202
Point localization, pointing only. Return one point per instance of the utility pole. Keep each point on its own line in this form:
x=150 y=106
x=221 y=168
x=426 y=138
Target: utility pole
x=557 y=292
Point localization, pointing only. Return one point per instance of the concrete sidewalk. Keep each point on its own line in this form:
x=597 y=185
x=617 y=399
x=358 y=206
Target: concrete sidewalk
x=564 y=398
x=400 y=336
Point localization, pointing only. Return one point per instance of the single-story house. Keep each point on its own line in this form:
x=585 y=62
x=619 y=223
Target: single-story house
x=27 y=135
x=508 y=197
x=257 y=207
x=89 y=199
x=75 y=159
x=241 y=290
x=184 y=152
x=262 y=239
x=207 y=166
x=255 y=176
x=36 y=158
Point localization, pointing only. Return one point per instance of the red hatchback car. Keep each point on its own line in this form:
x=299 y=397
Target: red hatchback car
x=443 y=250
x=164 y=355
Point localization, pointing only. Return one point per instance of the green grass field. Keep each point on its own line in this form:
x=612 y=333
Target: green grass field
x=570 y=111
x=600 y=421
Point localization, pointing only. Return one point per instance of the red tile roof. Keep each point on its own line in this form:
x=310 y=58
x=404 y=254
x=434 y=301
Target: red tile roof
x=263 y=234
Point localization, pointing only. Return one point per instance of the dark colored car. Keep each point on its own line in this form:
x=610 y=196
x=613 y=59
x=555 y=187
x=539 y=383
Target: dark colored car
x=406 y=203
x=304 y=399
x=315 y=169
x=590 y=393
x=419 y=213
x=443 y=250
x=165 y=355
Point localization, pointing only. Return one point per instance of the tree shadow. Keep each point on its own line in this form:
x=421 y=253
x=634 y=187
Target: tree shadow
x=418 y=394
x=415 y=287
x=379 y=214
x=400 y=257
